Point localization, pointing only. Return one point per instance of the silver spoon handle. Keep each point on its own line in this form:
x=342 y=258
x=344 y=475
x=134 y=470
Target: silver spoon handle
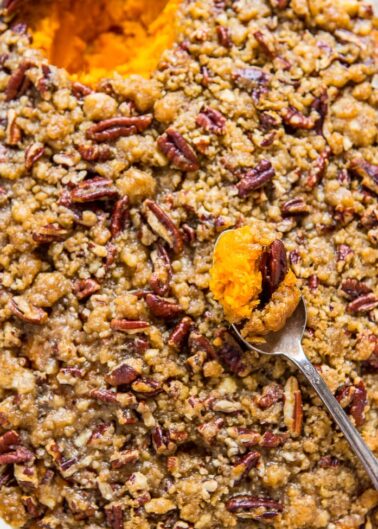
x=355 y=440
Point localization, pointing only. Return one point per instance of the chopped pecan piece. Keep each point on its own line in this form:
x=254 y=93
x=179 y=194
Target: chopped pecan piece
x=11 y=5
x=120 y=216
x=252 y=507
x=33 y=153
x=273 y=440
x=129 y=326
x=224 y=38
x=354 y=288
x=160 y=440
x=279 y=4
x=80 y=90
x=243 y=466
x=231 y=354
x=113 y=128
x=353 y=398
x=250 y=78
x=266 y=43
x=13 y=131
x=148 y=387
x=84 y=288
x=295 y=206
x=271 y=394
x=245 y=437
x=178 y=151
x=198 y=342
x=95 y=153
x=273 y=267
x=313 y=282
x=293 y=411
x=163 y=308
x=124 y=458
x=163 y=225
x=114 y=516
x=49 y=233
x=210 y=429
x=20 y=455
x=9 y=440
x=320 y=104
x=180 y=333
x=18 y=82
x=317 y=172
x=295 y=119
x=329 y=462
x=366 y=170
x=343 y=251
x=364 y=303
x=161 y=277
x=97 y=188
x=123 y=374
x=25 y=311
x=256 y=178
x=211 y=120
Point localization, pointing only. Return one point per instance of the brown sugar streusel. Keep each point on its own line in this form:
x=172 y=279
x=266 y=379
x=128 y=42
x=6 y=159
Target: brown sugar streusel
x=125 y=402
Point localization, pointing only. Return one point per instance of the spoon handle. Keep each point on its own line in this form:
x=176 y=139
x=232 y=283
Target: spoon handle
x=353 y=437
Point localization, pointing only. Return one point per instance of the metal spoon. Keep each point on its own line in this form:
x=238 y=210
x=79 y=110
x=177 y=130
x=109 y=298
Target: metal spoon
x=287 y=343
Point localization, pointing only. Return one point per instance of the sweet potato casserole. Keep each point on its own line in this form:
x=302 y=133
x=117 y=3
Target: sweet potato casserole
x=125 y=400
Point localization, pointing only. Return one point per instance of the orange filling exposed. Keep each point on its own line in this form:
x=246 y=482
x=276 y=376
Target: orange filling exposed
x=94 y=39
x=235 y=278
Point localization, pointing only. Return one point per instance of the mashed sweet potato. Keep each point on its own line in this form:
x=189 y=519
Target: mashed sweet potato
x=237 y=283
x=92 y=40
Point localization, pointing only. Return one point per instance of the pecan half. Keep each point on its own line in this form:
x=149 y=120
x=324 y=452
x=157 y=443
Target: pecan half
x=295 y=119
x=266 y=43
x=273 y=267
x=180 y=333
x=9 y=440
x=84 y=288
x=120 y=216
x=113 y=128
x=231 y=354
x=354 y=288
x=317 y=172
x=95 y=153
x=162 y=224
x=18 y=82
x=163 y=308
x=271 y=394
x=295 y=206
x=364 y=303
x=293 y=411
x=97 y=188
x=49 y=233
x=243 y=466
x=211 y=120
x=129 y=326
x=33 y=153
x=161 y=277
x=256 y=178
x=223 y=35
x=253 y=507
x=123 y=374
x=250 y=78
x=25 y=311
x=178 y=151
x=20 y=455
x=354 y=399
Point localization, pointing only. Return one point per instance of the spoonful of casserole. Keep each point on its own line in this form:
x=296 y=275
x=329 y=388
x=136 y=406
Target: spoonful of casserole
x=251 y=279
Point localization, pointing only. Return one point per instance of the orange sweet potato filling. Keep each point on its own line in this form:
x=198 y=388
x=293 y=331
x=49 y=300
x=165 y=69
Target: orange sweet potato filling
x=235 y=278
x=92 y=40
